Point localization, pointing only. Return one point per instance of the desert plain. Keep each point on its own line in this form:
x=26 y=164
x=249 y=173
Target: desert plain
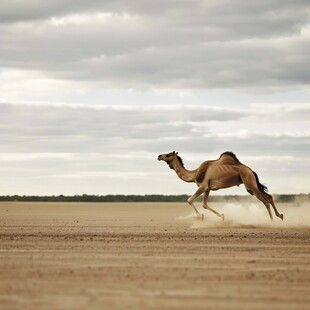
x=153 y=256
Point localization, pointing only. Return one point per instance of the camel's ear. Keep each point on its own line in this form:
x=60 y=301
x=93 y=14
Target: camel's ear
x=173 y=152
x=176 y=153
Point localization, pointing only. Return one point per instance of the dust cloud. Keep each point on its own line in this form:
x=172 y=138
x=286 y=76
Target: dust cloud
x=237 y=214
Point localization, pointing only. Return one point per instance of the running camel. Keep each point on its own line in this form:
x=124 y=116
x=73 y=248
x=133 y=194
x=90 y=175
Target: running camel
x=211 y=175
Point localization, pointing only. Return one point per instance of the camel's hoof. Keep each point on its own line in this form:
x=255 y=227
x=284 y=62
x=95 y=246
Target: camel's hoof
x=222 y=216
x=200 y=216
x=281 y=216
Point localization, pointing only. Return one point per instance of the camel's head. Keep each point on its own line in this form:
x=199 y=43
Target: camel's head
x=168 y=158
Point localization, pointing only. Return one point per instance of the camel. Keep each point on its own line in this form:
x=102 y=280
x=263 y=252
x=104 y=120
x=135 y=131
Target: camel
x=224 y=172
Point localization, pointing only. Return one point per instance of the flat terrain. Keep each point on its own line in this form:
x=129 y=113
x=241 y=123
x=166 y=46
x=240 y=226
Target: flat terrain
x=152 y=256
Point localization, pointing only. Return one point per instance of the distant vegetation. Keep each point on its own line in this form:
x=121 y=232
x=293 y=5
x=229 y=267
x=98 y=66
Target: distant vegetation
x=147 y=198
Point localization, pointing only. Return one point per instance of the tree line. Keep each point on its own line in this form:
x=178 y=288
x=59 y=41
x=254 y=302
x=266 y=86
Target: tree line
x=146 y=198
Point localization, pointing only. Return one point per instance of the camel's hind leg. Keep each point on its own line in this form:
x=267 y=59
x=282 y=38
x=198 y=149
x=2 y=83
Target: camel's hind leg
x=264 y=200
x=205 y=205
x=250 y=184
x=269 y=197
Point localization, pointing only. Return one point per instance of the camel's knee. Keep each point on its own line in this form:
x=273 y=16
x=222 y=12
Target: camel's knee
x=205 y=206
x=191 y=200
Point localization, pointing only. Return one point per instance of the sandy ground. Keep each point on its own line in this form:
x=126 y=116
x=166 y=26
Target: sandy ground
x=152 y=256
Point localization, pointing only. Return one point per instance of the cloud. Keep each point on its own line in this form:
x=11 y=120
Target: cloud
x=98 y=81
x=86 y=129
x=121 y=44
x=62 y=128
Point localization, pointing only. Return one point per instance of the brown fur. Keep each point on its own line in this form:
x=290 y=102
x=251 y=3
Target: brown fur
x=202 y=171
x=231 y=158
x=226 y=171
x=232 y=155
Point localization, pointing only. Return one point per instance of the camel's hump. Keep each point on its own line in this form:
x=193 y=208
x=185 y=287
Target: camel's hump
x=231 y=155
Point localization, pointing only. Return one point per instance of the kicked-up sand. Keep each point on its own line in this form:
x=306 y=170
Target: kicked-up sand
x=152 y=256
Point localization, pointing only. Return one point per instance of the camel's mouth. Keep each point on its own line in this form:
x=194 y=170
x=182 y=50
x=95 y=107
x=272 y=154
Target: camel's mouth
x=160 y=157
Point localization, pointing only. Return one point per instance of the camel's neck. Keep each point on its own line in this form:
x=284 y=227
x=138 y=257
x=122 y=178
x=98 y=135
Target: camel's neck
x=183 y=174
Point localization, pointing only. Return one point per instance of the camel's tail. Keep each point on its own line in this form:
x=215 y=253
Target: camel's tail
x=261 y=186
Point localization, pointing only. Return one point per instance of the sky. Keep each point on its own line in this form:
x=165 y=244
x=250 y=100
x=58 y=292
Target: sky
x=91 y=92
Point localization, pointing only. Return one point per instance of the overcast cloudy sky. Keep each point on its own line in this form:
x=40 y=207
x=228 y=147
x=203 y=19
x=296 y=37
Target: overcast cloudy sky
x=92 y=91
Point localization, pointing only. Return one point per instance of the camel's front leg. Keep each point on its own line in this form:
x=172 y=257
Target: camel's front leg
x=205 y=205
x=191 y=199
